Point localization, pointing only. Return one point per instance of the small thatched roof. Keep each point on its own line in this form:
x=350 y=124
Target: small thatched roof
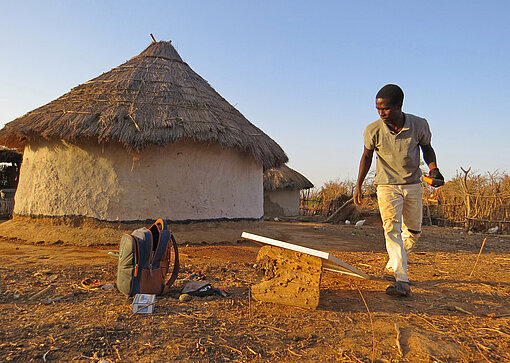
x=285 y=178
x=153 y=99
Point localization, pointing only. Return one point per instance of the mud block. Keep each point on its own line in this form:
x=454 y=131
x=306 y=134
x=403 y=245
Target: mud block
x=288 y=277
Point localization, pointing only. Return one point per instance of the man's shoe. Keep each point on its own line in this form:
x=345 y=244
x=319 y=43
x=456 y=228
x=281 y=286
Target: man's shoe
x=399 y=289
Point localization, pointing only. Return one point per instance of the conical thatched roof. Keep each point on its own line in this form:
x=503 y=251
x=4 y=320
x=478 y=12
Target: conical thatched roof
x=285 y=178
x=154 y=98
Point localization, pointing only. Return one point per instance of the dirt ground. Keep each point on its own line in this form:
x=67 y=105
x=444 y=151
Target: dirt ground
x=451 y=316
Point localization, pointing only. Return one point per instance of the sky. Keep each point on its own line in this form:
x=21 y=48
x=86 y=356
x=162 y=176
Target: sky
x=305 y=72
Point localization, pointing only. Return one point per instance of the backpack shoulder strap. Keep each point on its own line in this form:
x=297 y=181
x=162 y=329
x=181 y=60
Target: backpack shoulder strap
x=136 y=254
x=175 y=271
x=161 y=223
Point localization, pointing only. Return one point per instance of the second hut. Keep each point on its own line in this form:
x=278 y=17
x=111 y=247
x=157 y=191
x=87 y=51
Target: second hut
x=282 y=187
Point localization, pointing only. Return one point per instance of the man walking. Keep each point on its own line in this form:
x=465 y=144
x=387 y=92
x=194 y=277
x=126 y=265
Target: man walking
x=397 y=138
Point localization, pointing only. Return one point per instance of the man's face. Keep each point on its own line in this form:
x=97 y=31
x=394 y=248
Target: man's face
x=388 y=112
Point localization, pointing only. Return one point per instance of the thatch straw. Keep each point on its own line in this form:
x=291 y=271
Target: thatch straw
x=154 y=98
x=285 y=178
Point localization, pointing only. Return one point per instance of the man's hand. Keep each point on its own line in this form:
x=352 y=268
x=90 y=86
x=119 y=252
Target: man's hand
x=357 y=197
x=437 y=178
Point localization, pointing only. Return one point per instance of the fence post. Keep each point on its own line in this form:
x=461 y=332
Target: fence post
x=467 y=197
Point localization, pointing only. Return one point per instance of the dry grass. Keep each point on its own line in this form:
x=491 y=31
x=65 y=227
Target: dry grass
x=333 y=194
x=326 y=199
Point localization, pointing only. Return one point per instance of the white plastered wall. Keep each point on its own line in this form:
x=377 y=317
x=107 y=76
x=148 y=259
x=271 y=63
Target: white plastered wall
x=286 y=199
x=182 y=181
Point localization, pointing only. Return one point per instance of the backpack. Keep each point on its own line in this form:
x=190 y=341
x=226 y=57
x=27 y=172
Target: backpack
x=144 y=260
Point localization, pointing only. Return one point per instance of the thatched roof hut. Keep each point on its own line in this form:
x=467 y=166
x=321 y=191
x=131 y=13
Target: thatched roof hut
x=282 y=188
x=285 y=178
x=152 y=104
x=154 y=98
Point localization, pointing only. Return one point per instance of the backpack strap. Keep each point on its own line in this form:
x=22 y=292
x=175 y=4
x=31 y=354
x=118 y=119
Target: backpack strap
x=175 y=271
x=161 y=224
x=137 y=255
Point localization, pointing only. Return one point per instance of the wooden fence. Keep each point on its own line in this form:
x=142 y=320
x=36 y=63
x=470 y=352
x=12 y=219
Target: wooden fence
x=475 y=202
x=318 y=207
x=314 y=204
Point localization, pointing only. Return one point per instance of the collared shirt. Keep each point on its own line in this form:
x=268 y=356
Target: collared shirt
x=398 y=154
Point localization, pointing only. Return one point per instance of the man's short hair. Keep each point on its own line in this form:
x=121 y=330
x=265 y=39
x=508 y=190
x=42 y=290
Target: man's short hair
x=393 y=93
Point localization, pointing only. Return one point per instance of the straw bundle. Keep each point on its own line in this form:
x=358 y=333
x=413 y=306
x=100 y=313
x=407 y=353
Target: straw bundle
x=153 y=99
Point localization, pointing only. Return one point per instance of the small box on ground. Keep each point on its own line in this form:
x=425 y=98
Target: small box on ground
x=144 y=303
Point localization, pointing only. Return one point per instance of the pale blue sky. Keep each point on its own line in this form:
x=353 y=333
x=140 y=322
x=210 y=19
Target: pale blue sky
x=305 y=72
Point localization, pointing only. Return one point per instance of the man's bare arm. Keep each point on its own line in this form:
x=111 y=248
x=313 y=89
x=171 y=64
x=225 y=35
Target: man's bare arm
x=364 y=167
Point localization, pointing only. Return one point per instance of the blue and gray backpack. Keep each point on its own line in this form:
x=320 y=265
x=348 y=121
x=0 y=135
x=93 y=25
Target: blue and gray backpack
x=144 y=260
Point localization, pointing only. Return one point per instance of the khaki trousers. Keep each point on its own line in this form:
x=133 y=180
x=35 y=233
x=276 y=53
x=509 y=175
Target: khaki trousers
x=401 y=213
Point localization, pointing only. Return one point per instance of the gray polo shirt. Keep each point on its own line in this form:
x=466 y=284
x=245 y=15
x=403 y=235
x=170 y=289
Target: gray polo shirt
x=398 y=155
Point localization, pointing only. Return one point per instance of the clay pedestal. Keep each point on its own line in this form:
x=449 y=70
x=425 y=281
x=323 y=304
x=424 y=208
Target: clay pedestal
x=290 y=277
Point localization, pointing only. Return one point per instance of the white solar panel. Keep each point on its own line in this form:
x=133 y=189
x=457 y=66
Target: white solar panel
x=329 y=262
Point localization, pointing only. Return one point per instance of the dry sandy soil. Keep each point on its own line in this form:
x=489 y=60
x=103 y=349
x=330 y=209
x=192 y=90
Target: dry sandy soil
x=451 y=316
